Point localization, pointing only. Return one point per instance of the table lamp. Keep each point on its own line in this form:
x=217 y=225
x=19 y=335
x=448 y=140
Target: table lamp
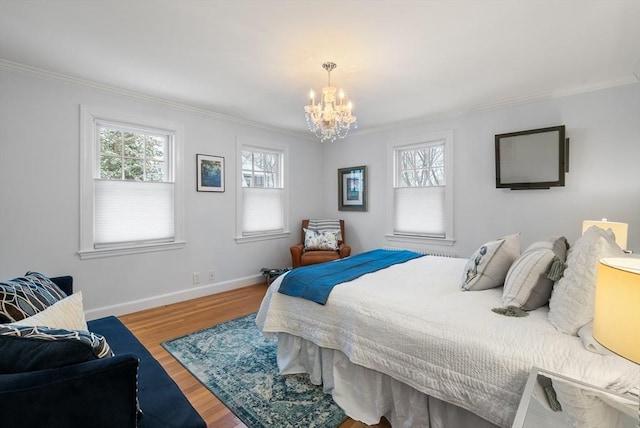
x=616 y=320
x=619 y=229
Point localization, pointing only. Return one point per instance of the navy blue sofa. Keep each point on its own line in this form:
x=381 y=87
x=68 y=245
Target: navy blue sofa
x=99 y=393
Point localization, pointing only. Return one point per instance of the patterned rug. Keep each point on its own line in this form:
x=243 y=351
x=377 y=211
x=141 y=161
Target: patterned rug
x=238 y=364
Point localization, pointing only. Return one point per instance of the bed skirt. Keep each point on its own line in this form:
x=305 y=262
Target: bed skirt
x=367 y=395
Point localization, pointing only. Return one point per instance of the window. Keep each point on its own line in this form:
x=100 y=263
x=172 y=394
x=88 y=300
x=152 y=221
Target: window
x=260 y=169
x=262 y=196
x=130 y=185
x=422 y=190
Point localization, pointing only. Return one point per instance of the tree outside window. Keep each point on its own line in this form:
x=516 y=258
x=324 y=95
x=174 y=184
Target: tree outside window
x=137 y=156
x=422 y=166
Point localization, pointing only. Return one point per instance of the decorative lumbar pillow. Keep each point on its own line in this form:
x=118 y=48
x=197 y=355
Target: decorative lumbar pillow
x=26 y=296
x=488 y=266
x=325 y=240
x=27 y=348
x=530 y=278
x=572 y=300
x=67 y=313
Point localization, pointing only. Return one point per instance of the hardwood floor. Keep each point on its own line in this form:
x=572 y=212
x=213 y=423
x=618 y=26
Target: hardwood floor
x=154 y=326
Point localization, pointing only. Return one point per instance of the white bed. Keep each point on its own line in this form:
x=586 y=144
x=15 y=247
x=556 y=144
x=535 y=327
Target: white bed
x=406 y=343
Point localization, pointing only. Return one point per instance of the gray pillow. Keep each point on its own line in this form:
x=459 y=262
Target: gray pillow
x=529 y=280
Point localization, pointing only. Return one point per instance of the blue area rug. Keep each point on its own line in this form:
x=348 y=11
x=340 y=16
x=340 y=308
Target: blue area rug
x=238 y=364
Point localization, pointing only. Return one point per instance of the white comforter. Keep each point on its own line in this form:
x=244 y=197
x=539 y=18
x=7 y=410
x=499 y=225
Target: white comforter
x=412 y=322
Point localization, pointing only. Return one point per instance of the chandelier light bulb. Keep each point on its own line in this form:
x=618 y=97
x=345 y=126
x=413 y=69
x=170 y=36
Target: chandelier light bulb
x=329 y=119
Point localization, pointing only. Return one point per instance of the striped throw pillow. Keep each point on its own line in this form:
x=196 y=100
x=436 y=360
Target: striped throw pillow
x=326 y=225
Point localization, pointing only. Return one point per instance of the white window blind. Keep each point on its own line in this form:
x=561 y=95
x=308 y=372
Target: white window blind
x=133 y=212
x=263 y=210
x=420 y=210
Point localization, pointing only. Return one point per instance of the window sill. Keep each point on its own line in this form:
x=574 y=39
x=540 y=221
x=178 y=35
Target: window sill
x=263 y=237
x=123 y=251
x=448 y=242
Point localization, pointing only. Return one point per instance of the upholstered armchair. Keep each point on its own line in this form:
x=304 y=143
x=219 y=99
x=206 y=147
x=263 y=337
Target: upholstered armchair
x=321 y=243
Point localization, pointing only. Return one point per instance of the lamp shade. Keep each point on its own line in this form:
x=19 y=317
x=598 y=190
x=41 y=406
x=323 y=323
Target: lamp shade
x=619 y=229
x=616 y=320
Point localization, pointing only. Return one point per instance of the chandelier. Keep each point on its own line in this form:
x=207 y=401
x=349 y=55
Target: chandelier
x=330 y=118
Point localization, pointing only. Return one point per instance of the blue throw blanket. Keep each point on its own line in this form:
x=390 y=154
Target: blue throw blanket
x=315 y=282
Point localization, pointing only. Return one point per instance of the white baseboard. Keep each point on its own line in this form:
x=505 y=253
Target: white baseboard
x=169 y=298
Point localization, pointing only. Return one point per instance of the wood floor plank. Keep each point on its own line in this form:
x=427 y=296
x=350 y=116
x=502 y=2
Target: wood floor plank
x=157 y=325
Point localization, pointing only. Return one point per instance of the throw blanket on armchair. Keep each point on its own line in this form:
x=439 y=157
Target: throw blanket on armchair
x=315 y=282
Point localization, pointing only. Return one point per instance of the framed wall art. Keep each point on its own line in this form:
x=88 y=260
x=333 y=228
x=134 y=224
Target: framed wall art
x=352 y=189
x=210 y=173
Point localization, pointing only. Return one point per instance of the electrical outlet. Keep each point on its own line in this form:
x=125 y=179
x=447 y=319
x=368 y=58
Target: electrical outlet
x=212 y=275
x=196 y=277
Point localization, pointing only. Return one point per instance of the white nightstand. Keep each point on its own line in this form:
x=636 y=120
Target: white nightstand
x=555 y=401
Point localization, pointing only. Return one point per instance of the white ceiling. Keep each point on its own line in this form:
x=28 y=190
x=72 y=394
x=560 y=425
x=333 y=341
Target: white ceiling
x=397 y=60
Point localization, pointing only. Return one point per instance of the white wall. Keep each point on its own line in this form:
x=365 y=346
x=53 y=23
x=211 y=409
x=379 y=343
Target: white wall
x=604 y=177
x=39 y=200
x=39 y=187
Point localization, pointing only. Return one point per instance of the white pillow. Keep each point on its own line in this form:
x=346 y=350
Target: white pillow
x=488 y=266
x=527 y=284
x=67 y=314
x=572 y=300
x=320 y=241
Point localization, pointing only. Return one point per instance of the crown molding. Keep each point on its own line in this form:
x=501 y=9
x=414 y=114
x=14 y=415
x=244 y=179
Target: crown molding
x=497 y=105
x=15 y=67
x=18 y=68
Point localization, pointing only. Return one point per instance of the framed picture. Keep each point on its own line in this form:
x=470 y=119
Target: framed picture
x=210 y=171
x=352 y=189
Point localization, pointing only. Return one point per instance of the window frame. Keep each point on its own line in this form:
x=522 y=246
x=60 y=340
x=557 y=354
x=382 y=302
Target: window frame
x=264 y=147
x=398 y=153
x=393 y=149
x=276 y=172
x=167 y=158
x=90 y=120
